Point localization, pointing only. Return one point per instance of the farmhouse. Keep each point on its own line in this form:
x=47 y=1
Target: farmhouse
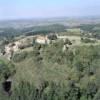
x=42 y=40
x=10 y=48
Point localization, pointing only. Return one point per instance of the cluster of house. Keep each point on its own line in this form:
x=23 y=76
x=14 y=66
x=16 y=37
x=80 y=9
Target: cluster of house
x=16 y=46
x=26 y=42
x=42 y=40
x=10 y=48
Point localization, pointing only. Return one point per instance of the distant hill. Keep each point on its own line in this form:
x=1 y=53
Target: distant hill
x=44 y=29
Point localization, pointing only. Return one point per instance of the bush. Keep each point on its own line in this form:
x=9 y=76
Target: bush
x=67 y=41
x=18 y=57
x=87 y=40
x=3 y=68
x=97 y=96
x=24 y=91
x=52 y=37
x=6 y=69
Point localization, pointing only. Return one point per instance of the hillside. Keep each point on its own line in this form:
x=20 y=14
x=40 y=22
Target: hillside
x=73 y=71
x=60 y=65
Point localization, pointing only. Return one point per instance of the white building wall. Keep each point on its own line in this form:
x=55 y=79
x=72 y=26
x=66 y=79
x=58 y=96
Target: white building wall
x=40 y=41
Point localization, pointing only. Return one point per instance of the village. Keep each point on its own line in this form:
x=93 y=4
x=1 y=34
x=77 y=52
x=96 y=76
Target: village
x=29 y=41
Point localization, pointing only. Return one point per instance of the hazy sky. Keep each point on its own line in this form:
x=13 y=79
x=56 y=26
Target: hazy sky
x=16 y=9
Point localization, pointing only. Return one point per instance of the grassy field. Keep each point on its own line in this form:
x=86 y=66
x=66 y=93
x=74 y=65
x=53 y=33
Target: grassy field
x=74 y=30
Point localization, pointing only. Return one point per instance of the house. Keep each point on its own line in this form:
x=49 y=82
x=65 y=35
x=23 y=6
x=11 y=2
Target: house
x=42 y=40
x=16 y=46
x=8 y=52
x=10 y=48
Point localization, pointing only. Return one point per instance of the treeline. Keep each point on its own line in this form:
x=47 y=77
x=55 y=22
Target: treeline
x=93 y=29
x=12 y=32
x=47 y=29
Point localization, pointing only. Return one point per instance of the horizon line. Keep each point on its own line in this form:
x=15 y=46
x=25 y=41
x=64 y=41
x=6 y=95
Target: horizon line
x=43 y=18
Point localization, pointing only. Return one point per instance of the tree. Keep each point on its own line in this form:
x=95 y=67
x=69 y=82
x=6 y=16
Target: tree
x=67 y=41
x=97 y=96
x=52 y=36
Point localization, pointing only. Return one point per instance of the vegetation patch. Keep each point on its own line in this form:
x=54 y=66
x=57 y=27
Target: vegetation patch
x=19 y=56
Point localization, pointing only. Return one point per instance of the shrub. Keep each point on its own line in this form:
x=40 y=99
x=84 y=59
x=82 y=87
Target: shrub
x=3 y=68
x=67 y=41
x=87 y=40
x=6 y=69
x=19 y=56
x=52 y=37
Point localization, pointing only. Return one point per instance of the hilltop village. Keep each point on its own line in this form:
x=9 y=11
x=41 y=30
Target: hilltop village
x=29 y=41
